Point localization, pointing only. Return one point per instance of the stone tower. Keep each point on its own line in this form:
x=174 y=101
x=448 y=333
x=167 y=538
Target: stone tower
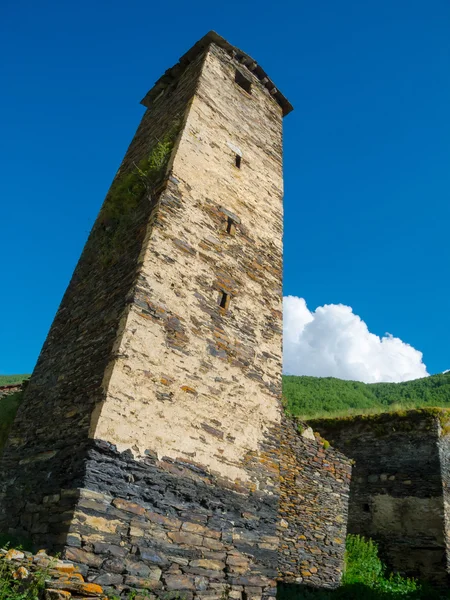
x=146 y=447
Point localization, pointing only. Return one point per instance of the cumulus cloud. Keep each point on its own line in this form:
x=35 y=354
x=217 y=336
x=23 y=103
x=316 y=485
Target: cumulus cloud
x=334 y=342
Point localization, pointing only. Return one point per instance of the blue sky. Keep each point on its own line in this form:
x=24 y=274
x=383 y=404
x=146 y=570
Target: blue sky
x=367 y=148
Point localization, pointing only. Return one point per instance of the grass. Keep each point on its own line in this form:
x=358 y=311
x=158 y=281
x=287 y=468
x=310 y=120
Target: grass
x=12 y=379
x=365 y=578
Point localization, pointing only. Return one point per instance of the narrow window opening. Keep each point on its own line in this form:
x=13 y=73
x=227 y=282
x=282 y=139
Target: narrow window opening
x=224 y=300
x=231 y=226
x=244 y=596
x=237 y=161
x=366 y=508
x=243 y=82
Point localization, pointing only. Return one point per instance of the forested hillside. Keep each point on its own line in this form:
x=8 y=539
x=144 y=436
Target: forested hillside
x=327 y=396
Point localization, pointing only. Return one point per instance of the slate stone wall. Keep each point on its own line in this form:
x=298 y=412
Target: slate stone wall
x=396 y=492
x=444 y=456
x=169 y=526
x=315 y=480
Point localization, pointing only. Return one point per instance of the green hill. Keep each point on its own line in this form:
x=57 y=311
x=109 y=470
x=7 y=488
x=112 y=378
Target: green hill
x=11 y=379
x=326 y=396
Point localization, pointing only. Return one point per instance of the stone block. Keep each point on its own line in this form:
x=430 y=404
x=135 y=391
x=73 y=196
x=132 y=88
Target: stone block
x=179 y=582
x=131 y=507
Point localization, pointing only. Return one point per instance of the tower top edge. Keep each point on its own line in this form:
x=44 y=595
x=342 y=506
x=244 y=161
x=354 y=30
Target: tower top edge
x=242 y=57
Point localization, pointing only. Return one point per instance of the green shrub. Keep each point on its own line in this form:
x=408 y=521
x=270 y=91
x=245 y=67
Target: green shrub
x=362 y=564
x=31 y=588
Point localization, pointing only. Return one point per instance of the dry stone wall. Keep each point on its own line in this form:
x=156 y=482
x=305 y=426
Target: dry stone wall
x=194 y=380
x=398 y=493
x=192 y=408
x=166 y=526
x=315 y=481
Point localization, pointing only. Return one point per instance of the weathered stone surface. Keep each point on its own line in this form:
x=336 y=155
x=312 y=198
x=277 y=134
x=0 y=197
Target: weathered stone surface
x=179 y=582
x=81 y=556
x=315 y=485
x=399 y=488
x=131 y=507
x=13 y=554
x=57 y=595
x=108 y=579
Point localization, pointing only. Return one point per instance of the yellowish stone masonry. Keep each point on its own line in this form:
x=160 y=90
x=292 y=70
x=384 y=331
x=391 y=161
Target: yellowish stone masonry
x=213 y=398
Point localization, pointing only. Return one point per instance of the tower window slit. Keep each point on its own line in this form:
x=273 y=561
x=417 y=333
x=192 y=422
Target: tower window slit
x=224 y=300
x=231 y=226
x=237 y=161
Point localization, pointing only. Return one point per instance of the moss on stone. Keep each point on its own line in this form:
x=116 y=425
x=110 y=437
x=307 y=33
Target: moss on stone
x=121 y=206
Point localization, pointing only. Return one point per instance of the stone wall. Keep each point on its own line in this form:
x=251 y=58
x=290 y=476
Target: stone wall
x=315 y=480
x=168 y=526
x=51 y=431
x=193 y=399
x=147 y=445
x=397 y=494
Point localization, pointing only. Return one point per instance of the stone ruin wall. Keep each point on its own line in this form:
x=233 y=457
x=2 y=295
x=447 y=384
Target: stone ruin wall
x=148 y=443
x=315 y=481
x=399 y=487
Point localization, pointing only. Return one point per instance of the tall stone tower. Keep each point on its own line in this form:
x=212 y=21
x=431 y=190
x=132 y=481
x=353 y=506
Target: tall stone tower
x=146 y=447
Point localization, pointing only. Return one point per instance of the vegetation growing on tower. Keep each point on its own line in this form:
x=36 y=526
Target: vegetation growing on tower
x=121 y=206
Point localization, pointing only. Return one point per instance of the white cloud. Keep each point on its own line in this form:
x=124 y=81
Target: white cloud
x=334 y=342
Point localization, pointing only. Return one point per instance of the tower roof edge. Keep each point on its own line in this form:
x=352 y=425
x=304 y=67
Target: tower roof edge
x=214 y=38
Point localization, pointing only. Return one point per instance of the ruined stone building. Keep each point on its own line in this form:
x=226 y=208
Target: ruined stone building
x=399 y=494
x=151 y=446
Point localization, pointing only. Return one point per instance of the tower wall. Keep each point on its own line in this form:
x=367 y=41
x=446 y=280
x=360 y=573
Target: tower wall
x=192 y=380
x=47 y=445
x=149 y=435
x=193 y=397
x=315 y=481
